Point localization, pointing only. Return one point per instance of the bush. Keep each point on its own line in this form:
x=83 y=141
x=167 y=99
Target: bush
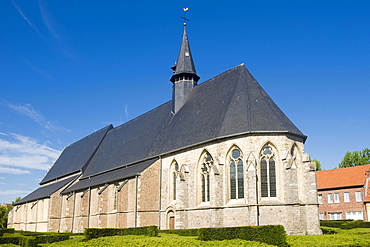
x=182 y=232
x=6 y=230
x=23 y=241
x=91 y=233
x=333 y=223
x=51 y=238
x=355 y=224
x=274 y=235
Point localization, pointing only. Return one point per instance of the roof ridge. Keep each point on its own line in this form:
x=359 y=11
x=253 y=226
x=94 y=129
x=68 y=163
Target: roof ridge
x=142 y=115
x=219 y=75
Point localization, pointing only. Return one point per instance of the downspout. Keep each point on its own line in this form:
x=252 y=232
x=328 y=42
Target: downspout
x=160 y=192
x=73 y=211
x=136 y=201
x=88 y=213
x=257 y=196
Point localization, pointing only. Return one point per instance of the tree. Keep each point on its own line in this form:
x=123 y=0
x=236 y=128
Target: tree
x=318 y=165
x=4 y=211
x=355 y=158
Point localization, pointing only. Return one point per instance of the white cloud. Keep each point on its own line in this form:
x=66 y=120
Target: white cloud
x=14 y=171
x=2 y=178
x=14 y=192
x=32 y=25
x=24 y=152
x=28 y=111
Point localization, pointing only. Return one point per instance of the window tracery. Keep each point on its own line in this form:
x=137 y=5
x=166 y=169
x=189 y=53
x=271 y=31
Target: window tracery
x=207 y=162
x=268 y=172
x=236 y=174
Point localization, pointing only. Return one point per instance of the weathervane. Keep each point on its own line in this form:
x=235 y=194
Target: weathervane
x=184 y=17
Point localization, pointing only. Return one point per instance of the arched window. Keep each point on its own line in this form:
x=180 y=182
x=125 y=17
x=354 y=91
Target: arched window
x=175 y=170
x=207 y=162
x=268 y=173
x=236 y=174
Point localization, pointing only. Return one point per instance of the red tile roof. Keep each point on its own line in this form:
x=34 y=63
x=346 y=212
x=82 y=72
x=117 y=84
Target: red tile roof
x=342 y=177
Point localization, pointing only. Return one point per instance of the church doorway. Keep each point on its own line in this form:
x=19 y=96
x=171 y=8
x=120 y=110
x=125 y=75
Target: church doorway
x=170 y=220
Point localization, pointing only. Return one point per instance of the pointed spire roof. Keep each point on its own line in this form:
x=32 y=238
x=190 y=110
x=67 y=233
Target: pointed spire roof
x=185 y=63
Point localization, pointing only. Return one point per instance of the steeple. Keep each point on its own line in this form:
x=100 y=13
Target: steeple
x=184 y=77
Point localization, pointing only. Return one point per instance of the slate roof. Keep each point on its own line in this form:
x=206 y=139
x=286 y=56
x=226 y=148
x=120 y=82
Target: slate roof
x=109 y=177
x=230 y=104
x=76 y=156
x=45 y=191
x=342 y=177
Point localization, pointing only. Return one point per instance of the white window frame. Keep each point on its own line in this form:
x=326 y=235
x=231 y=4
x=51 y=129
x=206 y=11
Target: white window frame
x=336 y=198
x=321 y=216
x=330 y=198
x=346 y=197
x=355 y=215
x=358 y=196
x=335 y=216
x=319 y=198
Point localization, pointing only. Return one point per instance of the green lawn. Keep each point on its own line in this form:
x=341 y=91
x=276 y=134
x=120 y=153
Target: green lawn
x=353 y=237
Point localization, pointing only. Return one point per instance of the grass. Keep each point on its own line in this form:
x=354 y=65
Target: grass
x=353 y=237
x=170 y=240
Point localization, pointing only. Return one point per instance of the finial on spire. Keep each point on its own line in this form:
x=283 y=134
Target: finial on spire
x=184 y=17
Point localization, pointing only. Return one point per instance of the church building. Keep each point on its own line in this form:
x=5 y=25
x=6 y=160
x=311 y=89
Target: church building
x=221 y=153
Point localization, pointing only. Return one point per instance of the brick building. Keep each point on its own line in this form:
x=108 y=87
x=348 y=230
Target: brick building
x=344 y=193
x=218 y=154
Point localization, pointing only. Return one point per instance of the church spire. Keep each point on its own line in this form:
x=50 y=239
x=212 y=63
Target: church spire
x=184 y=77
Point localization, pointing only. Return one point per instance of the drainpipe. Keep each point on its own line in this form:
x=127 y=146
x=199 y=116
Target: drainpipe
x=136 y=201
x=257 y=195
x=160 y=193
x=88 y=213
x=37 y=209
x=73 y=211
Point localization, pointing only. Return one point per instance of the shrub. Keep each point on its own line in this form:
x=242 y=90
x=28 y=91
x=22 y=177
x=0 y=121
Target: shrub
x=6 y=230
x=182 y=232
x=23 y=241
x=51 y=238
x=274 y=235
x=333 y=223
x=355 y=224
x=91 y=233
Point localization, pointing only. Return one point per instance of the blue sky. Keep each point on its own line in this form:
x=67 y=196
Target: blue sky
x=68 y=68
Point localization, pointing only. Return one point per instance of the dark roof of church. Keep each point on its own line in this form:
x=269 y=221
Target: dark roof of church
x=126 y=172
x=45 y=191
x=230 y=104
x=76 y=156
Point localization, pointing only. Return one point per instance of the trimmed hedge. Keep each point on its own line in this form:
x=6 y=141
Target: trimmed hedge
x=333 y=223
x=6 y=230
x=355 y=224
x=182 y=232
x=23 y=241
x=91 y=233
x=272 y=234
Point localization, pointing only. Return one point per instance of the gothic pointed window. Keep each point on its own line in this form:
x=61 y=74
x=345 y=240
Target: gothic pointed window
x=207 y=162
x=174 y=171
x=268 y=173
x=236 y=174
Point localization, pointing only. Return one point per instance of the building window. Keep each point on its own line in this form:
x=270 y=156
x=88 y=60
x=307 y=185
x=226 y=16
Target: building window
x=330 y=198
x=207 y=162
x=175 y=170
x=346 y=197
x=321 y=216
x=319 y=198
x=336 y=198
x=268 y=174
x=355 y=215
x=358 y=196
x=236 y=174
x=335 y=216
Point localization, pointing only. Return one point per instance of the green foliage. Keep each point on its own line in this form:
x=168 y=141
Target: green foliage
x=355 y=224
x=333 y=223
x=23 y=241
x=345 y=238
x=181 y=232
x=318 y=165
x=4 y=211
x=31 y=239
x=91 y=233
x=355 y=158
x=274 y=235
